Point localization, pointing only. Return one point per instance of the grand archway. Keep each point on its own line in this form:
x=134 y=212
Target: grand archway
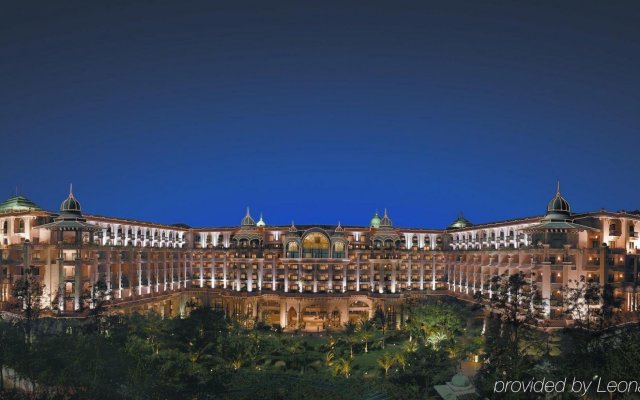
x=314 y=318
x=316 y=245
x=292 y=318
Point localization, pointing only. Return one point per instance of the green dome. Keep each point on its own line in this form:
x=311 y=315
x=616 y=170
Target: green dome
x=17 y=204
x=375 y=221
x=261 y=222
x=460 y=222
x=460 y=380
x=558 y=207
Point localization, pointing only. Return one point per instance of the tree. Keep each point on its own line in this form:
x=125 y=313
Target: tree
x=365 y=331
x=381 y=319
x=350 y=336
x=386 y=362
x=511 y=338
x=401 y=360
x=438 y=321
x=425 y=367
x=435 y=338
x=28 y=294
x=342 y=366
x=581 y=297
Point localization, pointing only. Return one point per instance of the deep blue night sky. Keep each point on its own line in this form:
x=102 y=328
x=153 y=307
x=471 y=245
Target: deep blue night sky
x=189 y=111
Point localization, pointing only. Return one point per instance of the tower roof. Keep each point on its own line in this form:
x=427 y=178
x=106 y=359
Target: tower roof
x=558 y=207
x=70 y=217
x=70 y=205
x=261 y=222
x=386 y=221
x=460 y=222
x=248 y=220
x=17 y=204
x=375 y=221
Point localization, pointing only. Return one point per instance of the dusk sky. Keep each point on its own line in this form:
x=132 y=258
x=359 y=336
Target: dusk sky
x=189 y=111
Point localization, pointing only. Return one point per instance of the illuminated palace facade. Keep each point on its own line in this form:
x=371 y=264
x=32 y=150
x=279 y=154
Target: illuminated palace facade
x=309 y=276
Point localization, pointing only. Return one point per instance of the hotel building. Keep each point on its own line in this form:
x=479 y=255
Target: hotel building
x=307 y=276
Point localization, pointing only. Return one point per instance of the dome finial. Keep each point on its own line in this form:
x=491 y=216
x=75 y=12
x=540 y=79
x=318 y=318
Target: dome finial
x=71 y=189
x=293 y=228
x=558 y=208
x=261 y=221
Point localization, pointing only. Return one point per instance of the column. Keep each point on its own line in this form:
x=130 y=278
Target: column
x=139 y=270
x=119 y=269
x=286 y=278
x=61 y=281
x=202 y=271
x=224 y=271
x=357 y=272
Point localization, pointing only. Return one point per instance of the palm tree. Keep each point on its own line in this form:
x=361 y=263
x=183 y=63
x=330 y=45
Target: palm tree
x=366 y=330
x=435 y=338
x=349 y=336
x=411 y=346
x=342 y=366
x=328 y=358
x=401 y=360
x=386 y=362
x=236 y=363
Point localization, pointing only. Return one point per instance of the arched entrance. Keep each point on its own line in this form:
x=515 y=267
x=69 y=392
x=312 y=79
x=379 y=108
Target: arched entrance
x=314 y=318
x=358 y=310
x=292 y=318
x=334 y=319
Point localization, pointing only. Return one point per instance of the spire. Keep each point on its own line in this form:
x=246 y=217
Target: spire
x=247 y=220
x=71 y=190
x=558 y=191
x=293 y=228
x=261 y=221
x=386 y=221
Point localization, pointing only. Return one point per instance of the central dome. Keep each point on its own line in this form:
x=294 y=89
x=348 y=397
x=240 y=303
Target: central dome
x=460 y=222
x=70 y=205
x=558 y=207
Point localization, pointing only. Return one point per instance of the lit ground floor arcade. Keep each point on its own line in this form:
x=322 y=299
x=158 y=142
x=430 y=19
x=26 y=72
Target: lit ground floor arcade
x=308 y=313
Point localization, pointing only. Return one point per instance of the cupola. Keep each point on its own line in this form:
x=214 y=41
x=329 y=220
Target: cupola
x=460 y=222
x=375 y=221
x=558 y=207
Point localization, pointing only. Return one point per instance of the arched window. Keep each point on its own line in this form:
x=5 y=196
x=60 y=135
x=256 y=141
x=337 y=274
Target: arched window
x=20 y=226
x=338 y=250
x=293 y=250
x=316 y=245
x=5 y=227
